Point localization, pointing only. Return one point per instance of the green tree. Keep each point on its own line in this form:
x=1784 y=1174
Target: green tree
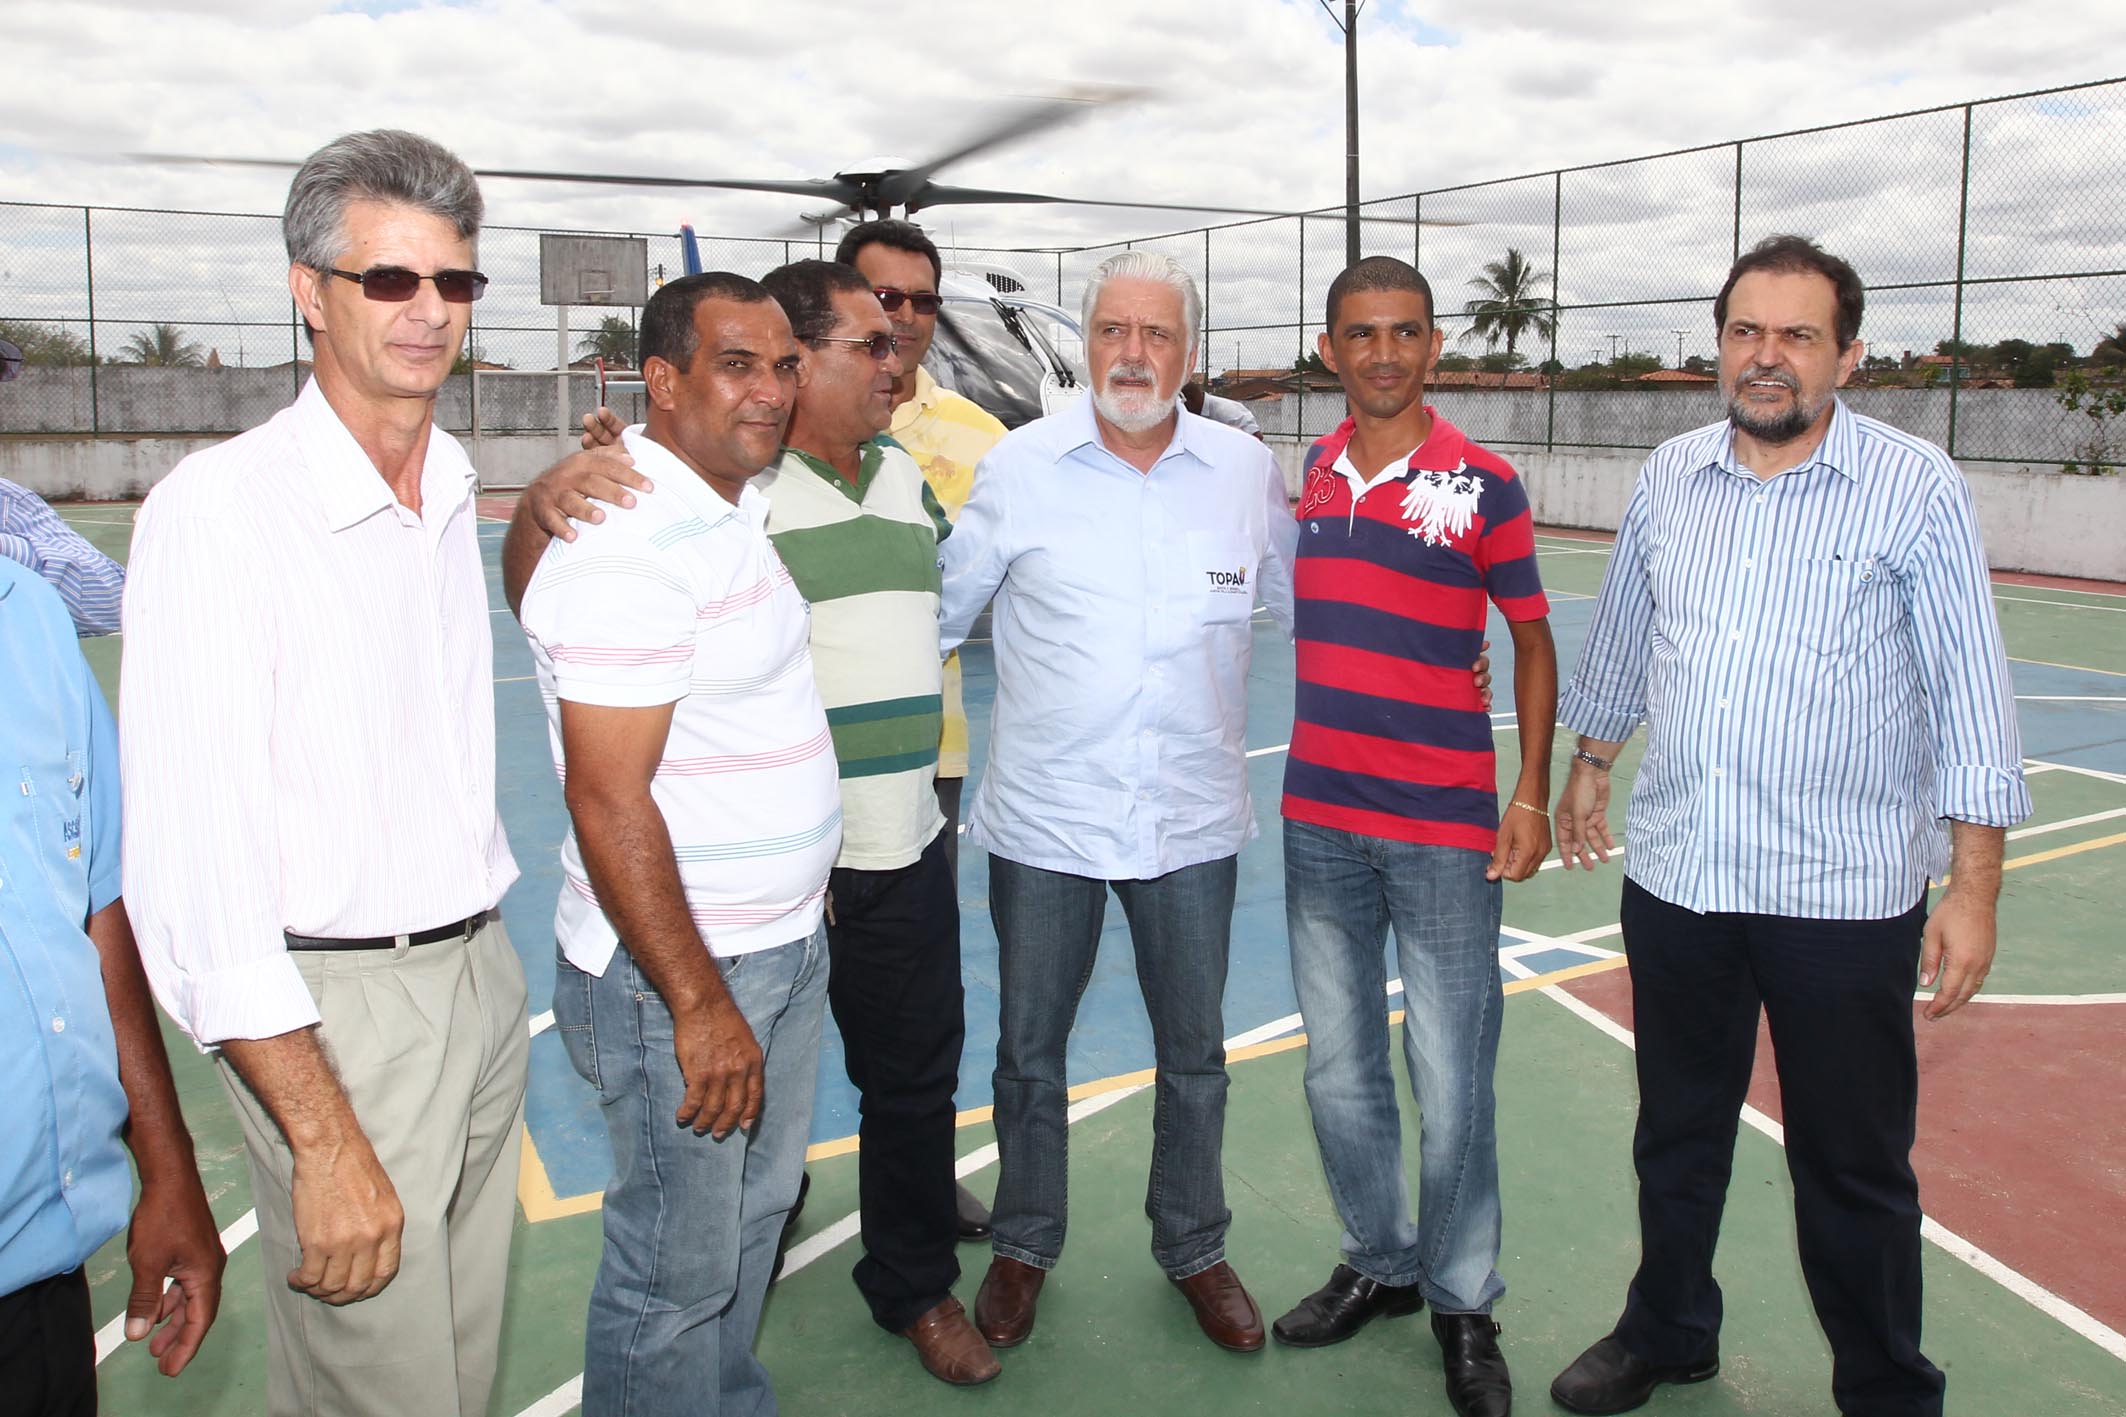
x=162 y=346
x=613 y=341
x=1309 y=362
x=1507 y=306
x=2111 y=349
x=45 y=346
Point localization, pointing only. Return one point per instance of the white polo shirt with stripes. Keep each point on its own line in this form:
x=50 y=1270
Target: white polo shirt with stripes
x=681 y=600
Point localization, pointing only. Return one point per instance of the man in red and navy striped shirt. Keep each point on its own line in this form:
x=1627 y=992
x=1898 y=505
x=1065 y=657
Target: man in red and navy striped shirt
x=1409 y=532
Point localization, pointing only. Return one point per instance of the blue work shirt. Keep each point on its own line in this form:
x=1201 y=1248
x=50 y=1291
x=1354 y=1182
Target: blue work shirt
x=1819 y=668
x=64 y=1184
x=1123 y=600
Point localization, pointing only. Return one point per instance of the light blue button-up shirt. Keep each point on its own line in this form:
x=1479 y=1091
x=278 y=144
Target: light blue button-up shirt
x=1122 y=637
x=1819 y=667
x=64 y=1184
x=32 y=535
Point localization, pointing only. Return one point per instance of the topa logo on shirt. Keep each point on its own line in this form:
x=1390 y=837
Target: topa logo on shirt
x=1234 y=582
x=1441 y=503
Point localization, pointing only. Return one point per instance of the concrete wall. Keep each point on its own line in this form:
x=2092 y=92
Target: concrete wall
x=2033 y=518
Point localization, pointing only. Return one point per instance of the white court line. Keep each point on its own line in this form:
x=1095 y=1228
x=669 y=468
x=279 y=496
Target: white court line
x=2015 y=1282
x=2035 y=765
x=2020 y=832
x=2061 y=604
x=2070 y=698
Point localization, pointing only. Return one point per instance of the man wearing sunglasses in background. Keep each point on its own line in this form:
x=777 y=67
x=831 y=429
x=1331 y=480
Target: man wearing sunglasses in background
x=947 y=435
x=852 y=519
x=313 y=853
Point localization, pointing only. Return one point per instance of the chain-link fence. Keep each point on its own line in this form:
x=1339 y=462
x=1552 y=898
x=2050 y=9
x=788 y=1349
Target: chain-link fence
x=1986 y=232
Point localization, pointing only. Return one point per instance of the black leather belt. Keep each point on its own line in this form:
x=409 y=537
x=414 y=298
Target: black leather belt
x=463 y=930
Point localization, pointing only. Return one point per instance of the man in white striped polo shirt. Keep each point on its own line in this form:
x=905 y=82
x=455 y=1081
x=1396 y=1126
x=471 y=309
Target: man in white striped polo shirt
x=672 y=654
x=1799 y=610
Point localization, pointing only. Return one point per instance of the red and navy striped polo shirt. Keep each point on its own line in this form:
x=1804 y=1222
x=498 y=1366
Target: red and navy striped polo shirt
x=1390 y=738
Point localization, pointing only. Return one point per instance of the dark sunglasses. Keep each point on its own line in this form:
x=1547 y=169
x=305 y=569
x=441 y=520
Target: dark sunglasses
x=877 y=346
x=925 y=302
x=398 y=283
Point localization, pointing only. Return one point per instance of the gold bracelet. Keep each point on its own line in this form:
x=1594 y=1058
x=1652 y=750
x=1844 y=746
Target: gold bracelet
x=1526 y=808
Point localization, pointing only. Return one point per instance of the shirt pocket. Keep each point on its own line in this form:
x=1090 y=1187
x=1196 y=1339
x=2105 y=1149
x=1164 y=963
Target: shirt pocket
x=1835 y=605
x=1216 y=578
x=56 y=789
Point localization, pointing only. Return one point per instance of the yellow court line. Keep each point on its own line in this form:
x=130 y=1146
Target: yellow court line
x=2038 y=857
x=2079 y=668
x=535 y=1189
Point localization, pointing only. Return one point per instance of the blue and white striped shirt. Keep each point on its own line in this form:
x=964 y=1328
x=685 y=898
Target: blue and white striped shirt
x=90 y=583
x=1820 y=671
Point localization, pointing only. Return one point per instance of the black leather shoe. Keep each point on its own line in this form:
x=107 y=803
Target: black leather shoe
x=1343 y=1306
x=1608 y=1378
x=1477 y=1381
x=973 y=1215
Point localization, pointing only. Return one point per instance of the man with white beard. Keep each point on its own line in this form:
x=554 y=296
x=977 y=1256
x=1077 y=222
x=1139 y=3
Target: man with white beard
x=1125 y=542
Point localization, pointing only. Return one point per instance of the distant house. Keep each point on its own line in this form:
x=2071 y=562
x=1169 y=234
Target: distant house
x=1475 y=379
x=1676 y=379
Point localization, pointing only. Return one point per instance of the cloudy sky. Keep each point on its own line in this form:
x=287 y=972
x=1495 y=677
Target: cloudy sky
x=1241 y=99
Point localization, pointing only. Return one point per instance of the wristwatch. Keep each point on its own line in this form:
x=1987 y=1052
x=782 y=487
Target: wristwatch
x=1582 y=755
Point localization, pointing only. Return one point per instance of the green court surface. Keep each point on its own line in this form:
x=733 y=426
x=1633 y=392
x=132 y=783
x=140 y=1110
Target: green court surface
x=2022 y=1143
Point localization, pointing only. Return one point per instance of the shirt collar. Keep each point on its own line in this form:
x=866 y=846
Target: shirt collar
x=346 y=483
x=1080 y=429
x=1445 y=447
x=664 y=469
x=922 y=401
x=869 y=456
x=1839 y=451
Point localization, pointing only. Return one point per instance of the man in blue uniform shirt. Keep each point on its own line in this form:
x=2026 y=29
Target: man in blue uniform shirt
x=81 y=1056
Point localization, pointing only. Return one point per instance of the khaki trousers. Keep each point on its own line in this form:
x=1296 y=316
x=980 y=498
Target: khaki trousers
x=430 y=1044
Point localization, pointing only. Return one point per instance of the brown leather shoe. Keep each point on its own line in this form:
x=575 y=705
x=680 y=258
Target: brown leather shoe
x=1003 y=1306
x=1224 y=1311
x=950 y=1348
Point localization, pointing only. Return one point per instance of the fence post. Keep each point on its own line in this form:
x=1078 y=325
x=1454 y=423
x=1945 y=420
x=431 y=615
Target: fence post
x=1963 y=218
x=1738 y=204
x=1417 y=235
x=295 y=346
x=1557 y=217
x=1301 y=310
x=1206 y=371
x=1059 y=280
x=88 y=260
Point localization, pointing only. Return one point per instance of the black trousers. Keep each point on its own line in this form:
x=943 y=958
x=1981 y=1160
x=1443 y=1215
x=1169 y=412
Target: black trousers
x=1838 y=997
x=48 y=1349
x=949 y=804
x=895 y=990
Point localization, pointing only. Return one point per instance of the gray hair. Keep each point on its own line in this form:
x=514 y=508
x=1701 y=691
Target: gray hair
x=384 y=165
x=1148 y=265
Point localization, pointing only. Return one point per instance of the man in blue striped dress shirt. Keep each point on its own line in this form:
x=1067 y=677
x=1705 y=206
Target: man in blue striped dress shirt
x=1799 y=610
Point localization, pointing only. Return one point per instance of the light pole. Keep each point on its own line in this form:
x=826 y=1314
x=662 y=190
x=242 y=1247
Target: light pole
x=1349 y=25
x=1679 y=347
x=1612 y=349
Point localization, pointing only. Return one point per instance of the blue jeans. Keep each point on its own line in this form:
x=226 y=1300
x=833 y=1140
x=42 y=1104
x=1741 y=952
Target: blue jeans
x=1048 y=932
x=1342 y=891
x=690 y=1222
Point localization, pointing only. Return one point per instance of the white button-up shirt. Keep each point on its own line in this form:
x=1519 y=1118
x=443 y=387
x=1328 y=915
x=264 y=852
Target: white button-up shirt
x=307 y=716
x=1122 y=631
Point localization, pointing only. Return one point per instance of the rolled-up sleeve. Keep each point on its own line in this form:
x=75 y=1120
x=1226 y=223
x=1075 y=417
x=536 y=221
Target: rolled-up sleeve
x=1606 y=697
x=202 y=877
x=1970 y=698
x=91 y=583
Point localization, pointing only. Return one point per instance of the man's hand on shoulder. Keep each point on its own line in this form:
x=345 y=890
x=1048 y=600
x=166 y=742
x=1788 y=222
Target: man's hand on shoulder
x=573 y=489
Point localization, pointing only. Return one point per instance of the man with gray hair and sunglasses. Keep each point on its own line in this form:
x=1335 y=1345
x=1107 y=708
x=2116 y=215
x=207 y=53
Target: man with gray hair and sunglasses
x=313 y=853
x=1126 y=543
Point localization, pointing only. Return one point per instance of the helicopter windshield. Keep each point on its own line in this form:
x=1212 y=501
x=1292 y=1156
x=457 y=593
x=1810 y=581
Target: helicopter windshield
x=978 y=354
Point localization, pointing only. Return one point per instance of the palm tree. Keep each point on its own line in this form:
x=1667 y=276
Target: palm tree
x=2111 y=349
x=613 y=341
x=1508 y=306
x=164 y=347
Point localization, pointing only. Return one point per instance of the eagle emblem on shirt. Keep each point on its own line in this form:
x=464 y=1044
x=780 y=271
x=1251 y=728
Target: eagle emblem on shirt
x=1440 y=504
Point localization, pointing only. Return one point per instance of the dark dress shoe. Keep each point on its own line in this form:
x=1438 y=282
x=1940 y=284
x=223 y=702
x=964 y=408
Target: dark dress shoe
x=950 y=1348
x=1342 y=1307
x=973 y=1215
x=1609 y=1378
x=1225 y=1313
x=1003 y=1306
x=1477 y=1382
